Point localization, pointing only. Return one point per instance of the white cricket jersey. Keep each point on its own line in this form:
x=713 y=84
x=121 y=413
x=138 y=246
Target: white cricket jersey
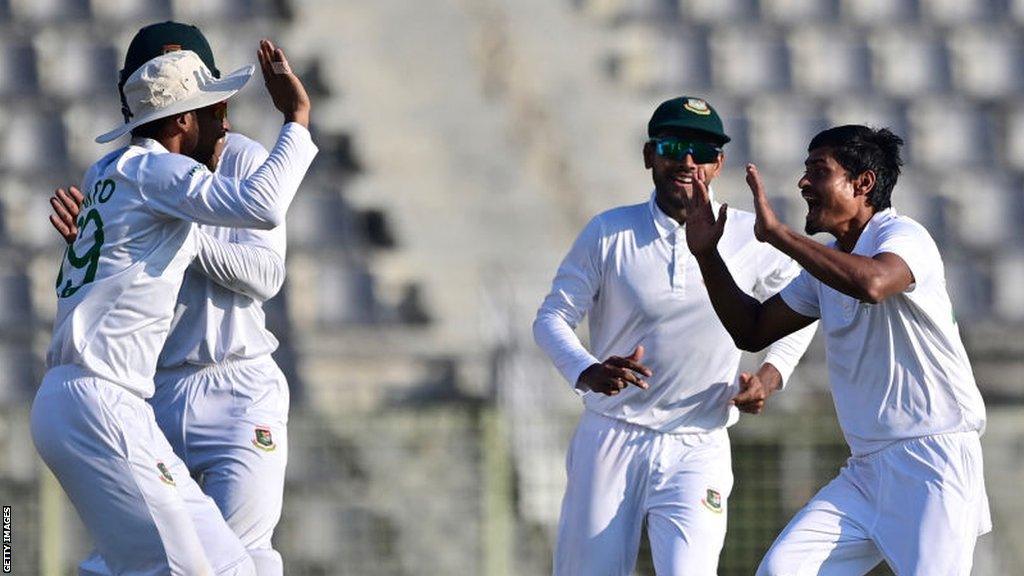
x=119 y=280
x=212 y=322
x=897 y=369
x=632 y=271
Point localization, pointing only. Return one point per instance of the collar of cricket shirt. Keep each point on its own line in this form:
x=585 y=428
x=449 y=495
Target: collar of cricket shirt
x=664 y=224
x=869 y=230
x=149 y=144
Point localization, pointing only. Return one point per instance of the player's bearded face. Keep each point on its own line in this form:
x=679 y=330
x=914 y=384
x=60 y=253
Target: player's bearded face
x=213 y=126
x=828 y=190
x=673 y=178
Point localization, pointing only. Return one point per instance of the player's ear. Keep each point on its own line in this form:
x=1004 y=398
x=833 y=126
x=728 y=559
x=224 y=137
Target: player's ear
x=183 y=121
x=864 y=183
x=715 y=168
x=648 y=155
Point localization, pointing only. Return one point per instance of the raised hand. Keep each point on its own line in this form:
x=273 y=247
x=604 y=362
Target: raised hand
x=767 y=224
x=615 y=373
x=703 y=230
x=285 y=88
x=66 y=206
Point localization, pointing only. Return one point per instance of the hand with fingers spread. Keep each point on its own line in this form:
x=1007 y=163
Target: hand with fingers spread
x=66 y=206
x=767 y=224
x=285 y=88
x=703 y=230
x=614 y=374
x=756 y=388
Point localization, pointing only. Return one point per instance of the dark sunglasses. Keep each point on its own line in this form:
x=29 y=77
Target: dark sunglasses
x=673 y=149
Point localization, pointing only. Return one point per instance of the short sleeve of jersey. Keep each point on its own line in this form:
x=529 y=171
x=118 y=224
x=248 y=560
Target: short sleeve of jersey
x=802 y=295
x=911 y=242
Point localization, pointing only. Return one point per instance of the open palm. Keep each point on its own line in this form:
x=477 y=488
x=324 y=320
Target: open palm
x=767 y=222
x=703 y=230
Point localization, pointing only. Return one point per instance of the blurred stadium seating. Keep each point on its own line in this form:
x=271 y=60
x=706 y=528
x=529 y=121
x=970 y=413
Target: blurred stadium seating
x=463 y=145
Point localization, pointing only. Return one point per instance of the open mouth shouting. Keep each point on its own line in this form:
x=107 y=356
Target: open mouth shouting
x=813 y=204
x=812 y=223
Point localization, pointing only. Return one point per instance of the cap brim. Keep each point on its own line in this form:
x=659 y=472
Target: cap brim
x=722 y=138
x=214 y=92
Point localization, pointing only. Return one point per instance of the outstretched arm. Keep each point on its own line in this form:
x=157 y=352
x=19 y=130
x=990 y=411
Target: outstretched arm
x=751 y=324
x=866 y=279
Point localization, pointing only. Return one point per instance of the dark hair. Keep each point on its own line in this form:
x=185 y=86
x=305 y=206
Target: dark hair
x=859 y=149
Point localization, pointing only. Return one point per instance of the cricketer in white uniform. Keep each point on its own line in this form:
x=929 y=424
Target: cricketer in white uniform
x=912 y=494
x=652 y=443
x=220 y=398
x=117 y=289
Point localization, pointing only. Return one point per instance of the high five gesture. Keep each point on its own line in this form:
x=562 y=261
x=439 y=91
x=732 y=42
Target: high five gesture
x=703 y=230
x=767 y=224
x=285 y=88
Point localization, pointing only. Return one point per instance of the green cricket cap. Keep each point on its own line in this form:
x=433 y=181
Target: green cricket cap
x=688 y=112
x=158 y=39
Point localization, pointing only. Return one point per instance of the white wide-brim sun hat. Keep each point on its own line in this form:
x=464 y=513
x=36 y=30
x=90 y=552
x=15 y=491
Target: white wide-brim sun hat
x=174 y=83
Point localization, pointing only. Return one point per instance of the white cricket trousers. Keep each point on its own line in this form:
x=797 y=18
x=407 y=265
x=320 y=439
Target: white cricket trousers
x=919 y=505
x=136 y=498
x=229 y=423
x=621 y=475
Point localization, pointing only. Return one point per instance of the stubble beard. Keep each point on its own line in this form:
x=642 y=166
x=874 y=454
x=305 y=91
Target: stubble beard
x=811 y=227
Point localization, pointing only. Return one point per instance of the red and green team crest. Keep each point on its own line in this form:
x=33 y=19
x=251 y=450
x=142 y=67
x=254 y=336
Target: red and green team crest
x=264 y=440
x=165 y=474
x=713 y=501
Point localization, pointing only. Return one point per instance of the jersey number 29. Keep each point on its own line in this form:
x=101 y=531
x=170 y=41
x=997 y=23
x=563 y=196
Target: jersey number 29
x=91 y=258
